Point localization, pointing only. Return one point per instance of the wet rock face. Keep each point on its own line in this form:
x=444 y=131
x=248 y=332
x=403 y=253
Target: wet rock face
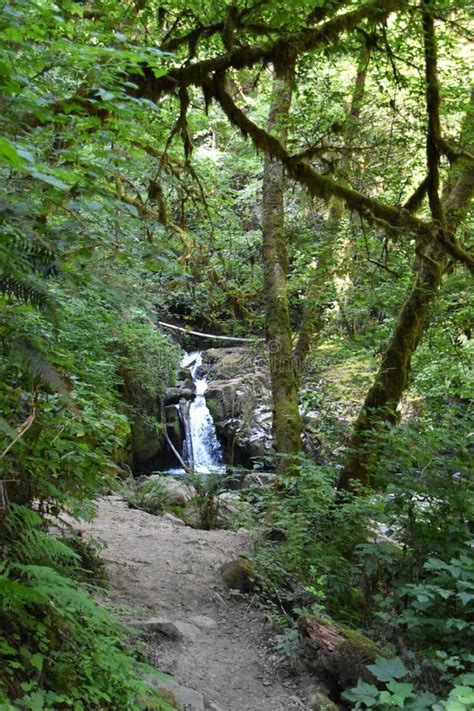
x=174 y=395
x=239 y=399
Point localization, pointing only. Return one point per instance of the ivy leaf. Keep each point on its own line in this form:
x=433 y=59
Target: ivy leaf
x=455 y=623
x=36 y=701
x=388 y=669
x=424 y=702
x=463 y=695
x=49 y=179
x=9 y=154
x=400 y=692
x=36 y=661
x=465 y=597
x=363 y=693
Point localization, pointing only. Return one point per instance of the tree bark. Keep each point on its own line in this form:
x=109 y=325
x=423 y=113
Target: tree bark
x=284 y=379
x=384 y=396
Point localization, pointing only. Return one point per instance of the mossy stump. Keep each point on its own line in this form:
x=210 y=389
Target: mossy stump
x=338 y=653
x=239 y=575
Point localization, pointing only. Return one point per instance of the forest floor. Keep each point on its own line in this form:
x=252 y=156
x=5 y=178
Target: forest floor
x=221 y=646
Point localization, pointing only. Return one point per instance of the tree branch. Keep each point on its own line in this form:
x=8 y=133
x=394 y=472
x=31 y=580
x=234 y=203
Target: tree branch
x=306 y=40
x=433 y=101
x=414 y=201
x=391 y=218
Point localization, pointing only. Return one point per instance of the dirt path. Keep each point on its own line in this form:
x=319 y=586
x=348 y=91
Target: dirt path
x=225 y=650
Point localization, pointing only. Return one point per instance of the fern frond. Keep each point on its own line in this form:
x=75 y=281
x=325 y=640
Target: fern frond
x=31 y=249
x=7 y=429
x=14 y=595
x=24 y=291
x=26 y=262
x=39 y=366
x=28 y=543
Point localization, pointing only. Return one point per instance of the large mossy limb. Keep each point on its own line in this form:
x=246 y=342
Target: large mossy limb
x=384 y=396
x=382 y=400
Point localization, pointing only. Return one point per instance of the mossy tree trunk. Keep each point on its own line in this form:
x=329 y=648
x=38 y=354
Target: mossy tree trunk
x=284 y=378
x=383 y=398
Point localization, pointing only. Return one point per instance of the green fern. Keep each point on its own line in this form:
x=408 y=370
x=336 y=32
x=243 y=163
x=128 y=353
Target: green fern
x=30 y=356
x=14 y=595
x=27 y=542
x=25 y=264
x=57 y=628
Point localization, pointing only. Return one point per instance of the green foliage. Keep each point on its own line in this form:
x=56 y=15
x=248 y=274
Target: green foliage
x=397 y=694
x=88 y=253
x=418 y=576
x=208 y=487
x=71 y=326
x=149 y=497
x=316 y=536
x=59 y=648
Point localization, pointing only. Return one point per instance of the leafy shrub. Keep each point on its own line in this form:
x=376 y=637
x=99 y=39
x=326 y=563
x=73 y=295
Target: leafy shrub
x=418 y=577
x=396 y=693
x=148 y=497
x=315 y=539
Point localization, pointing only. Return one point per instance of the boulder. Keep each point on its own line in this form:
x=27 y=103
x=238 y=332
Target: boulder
x=177 y=631
x=184 y=379
x=185 y=698
x=211 y=706
x=203 y=622
x=147 y=441
x=228 y=507
x=239 y=400
x=173 y=491
x=321 y=702
x=173 y=519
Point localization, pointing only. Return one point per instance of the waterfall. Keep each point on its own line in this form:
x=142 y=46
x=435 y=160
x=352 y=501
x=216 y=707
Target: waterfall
x=206 y=449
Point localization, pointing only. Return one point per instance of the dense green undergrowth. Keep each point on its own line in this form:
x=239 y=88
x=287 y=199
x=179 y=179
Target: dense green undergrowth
x=396 y=564
x=59 y=648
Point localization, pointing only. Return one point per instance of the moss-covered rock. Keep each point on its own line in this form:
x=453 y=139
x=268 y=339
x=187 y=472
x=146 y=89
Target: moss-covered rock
x=174 y=426
x=157 y=494
x=339 y=653
x=321 y=702
x=147 y=439
x=239 y=574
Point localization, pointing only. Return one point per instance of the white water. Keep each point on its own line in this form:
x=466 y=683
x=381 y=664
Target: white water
x=206 y=447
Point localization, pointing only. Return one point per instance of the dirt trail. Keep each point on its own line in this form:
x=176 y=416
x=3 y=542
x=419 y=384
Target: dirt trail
x=225 y=651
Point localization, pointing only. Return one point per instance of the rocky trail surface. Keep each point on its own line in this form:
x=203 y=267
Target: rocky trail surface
x=217 y=644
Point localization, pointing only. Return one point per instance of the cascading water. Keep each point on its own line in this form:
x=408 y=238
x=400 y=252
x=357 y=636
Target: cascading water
x=206 y=450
